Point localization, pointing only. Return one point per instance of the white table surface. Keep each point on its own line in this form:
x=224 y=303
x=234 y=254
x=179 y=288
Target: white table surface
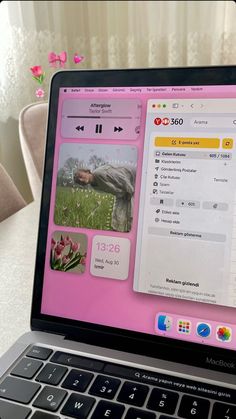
x=18 y=235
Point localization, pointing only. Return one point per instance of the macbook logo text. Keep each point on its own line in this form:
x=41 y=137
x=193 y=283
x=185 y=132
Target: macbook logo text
x=220 y=363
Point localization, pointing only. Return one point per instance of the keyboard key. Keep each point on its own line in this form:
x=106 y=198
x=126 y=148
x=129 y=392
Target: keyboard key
x=18 y=390
x=39 y=352
x=163 y=401
x=139 y=414
x=109 y=410
x=133 y=393
x=78 y=406
x=77 y=361
x=194 y=407
x=223 y=411
x=43 y=415
x=50 y=398
x=27 y=368
x=105 y=387
x=51 y=374
x=10 y=411
x=77 y=380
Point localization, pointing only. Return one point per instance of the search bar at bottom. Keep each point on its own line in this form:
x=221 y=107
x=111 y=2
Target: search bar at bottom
x=213 y=122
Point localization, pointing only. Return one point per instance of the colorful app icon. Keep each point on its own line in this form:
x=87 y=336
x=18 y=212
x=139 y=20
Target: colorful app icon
x=157 y=121
x=203 y=330
x=165 y=121
x=223 y=333
x=165 y=323
x=184 y=327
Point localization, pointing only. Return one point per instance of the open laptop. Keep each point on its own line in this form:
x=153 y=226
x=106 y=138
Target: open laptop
x=134 y=302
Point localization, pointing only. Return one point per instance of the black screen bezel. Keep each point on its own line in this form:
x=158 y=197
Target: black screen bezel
x=134 y=342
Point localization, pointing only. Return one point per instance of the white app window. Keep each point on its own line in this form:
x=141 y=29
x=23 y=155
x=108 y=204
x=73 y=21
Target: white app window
x=110 y=257
x=185 y=246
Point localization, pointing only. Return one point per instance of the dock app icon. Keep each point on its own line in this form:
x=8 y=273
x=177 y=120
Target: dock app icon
x=165 y=323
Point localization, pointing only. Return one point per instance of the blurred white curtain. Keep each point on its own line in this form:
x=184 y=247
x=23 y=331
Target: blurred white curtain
x=111 y=34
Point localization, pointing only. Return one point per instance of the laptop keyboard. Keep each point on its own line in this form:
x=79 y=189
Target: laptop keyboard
x=53 y=385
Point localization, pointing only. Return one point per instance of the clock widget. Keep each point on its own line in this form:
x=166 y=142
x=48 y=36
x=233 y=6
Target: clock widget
x=110 y=257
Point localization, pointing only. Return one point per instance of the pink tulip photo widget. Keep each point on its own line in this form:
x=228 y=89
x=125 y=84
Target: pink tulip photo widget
x=68 y=252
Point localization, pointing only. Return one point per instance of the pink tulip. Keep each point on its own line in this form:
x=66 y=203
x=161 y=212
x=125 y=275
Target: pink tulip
x=83 y=261
x=67 y=240
x=62 y=242
x=65 y=260
x=53 y=243
x=59 y=247
x=75 y=246
x=37 y=70
x=57 y=256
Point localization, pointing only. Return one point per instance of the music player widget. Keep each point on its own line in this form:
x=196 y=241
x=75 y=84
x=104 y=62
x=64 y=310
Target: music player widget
x=103 y=119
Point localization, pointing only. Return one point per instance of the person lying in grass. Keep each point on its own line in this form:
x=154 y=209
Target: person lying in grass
x=118 y=181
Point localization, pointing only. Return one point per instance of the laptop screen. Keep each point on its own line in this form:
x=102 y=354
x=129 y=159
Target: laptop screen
x=142 y=222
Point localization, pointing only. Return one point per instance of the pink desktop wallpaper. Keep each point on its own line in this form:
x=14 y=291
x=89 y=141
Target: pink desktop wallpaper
x=76 y=293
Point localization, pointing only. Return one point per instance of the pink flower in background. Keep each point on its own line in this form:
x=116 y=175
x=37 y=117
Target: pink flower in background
x=37 y=70
x=39 y=93
x=78 y=58
x=53 y=243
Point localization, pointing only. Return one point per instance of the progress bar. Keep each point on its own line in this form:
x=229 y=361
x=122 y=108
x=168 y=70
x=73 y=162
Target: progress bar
x=99 y=117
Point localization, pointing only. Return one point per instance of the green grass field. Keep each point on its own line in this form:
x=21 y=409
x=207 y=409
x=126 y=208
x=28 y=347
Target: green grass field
x=83 y=208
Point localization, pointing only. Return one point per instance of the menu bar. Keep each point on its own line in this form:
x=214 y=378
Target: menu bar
x=228 y=89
